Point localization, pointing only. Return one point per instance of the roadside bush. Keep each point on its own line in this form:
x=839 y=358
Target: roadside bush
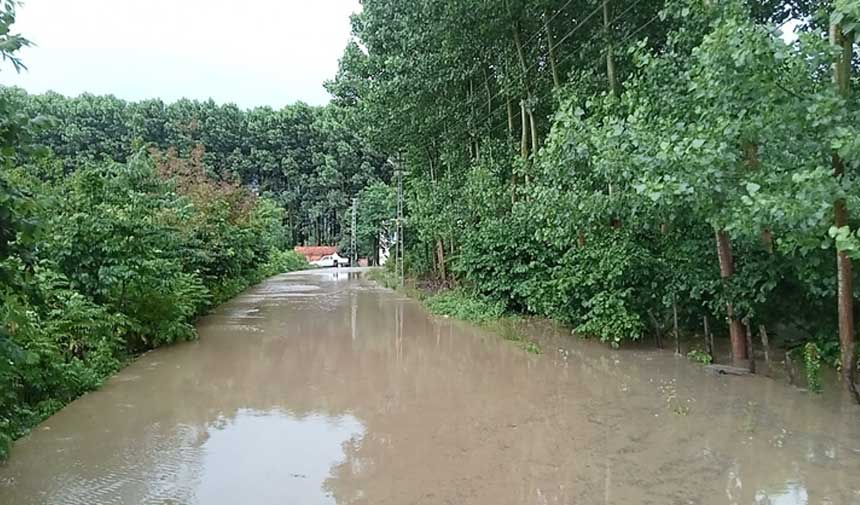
x=284 y=261
x=466 y=306
x=124 y=258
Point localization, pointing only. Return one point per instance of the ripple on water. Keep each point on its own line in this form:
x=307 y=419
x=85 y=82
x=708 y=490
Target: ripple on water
x=251 y=457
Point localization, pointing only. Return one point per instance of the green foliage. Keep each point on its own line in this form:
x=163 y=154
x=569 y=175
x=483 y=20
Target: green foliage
x=608 y=221
x=466 y=306
x=126 y=256
x=284 y=261
x=10 y=42
x=812 y=363
x=375 y=218
x=700 y=357
x=305 y=159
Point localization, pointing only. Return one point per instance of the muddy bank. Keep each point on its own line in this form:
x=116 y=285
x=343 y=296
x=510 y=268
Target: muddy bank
x=321 y=387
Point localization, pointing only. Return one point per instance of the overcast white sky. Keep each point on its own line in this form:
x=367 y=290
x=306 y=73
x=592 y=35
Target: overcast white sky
x=250 y=52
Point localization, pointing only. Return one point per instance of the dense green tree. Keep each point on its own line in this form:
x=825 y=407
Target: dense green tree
x=375 y=215
x=620 y=165
x=305 y=158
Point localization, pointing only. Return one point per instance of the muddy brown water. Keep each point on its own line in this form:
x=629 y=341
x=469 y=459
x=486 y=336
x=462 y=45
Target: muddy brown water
x=323 y=388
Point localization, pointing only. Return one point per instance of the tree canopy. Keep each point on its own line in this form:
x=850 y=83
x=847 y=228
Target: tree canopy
x=610 y=164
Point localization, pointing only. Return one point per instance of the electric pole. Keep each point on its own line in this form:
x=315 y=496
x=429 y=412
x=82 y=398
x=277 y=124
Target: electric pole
x=353 y=242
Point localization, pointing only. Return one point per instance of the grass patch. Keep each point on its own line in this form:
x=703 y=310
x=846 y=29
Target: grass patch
x=461 y=304
x=384 y=276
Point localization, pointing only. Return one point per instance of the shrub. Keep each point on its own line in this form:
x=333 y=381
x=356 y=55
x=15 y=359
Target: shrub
x=464 y=305
x=128 y=256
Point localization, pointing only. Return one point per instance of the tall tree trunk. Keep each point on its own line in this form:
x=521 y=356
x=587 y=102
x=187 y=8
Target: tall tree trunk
x=675 y=330
x=440 y=258
x=610 y=58
x=527 y=84
x=765 y=344
x=750 y=349
x=430 y=160
x=510 y=110
x=737 y=334
x=848 y=357
x=524 y=139
x=533 y=128
x=375 y=256
x=727 y=269
x=709 y=339
x=556 y=80
x=489 y=95
x=521 y=55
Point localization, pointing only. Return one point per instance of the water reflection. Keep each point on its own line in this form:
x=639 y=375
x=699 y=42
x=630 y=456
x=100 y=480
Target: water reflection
x=792 y=493
x=257 y=449
x=341 y=274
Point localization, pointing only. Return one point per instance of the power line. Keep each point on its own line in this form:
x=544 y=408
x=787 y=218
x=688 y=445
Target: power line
x=549 y=21
x=566 y=58
x=600 y=55
x=498 y=109
x=552 y=47
x=353 y=240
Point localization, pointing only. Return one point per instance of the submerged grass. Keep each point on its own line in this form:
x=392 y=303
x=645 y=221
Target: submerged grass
x=463 y=305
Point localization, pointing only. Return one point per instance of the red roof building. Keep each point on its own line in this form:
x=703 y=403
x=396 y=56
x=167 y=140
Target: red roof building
x=315 y=253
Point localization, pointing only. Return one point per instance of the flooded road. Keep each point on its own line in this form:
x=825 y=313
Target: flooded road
x=322 y=388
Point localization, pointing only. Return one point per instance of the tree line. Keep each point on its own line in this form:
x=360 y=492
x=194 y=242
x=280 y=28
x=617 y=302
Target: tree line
x=302 y=157
x=631 y=168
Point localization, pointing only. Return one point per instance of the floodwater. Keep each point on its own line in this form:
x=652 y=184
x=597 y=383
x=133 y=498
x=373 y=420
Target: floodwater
x=322 y=388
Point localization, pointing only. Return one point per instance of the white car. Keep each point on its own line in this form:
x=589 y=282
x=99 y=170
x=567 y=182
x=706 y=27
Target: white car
x=331 y=260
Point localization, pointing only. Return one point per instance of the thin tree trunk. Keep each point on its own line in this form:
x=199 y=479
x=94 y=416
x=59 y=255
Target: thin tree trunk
x=748 y=327
x=556 y=80
x=727 y=269
x=524 y=139
x=658 y=330
x=767 y=240
x=848 y=358
x=765 y=344
x=510 y=110
x=789 y=368
x=476 y=153
x=675 y=325
x=376 y=250
x=440 y=258
x=526 y=86
x=534 y=133
x=489 y=94
x=521 y=55
x=610 y=59
x=709 y=339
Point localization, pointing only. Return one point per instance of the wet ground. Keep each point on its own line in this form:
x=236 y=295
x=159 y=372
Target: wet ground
x=322 y=388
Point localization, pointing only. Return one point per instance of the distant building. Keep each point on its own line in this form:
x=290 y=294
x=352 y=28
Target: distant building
x=322 y=256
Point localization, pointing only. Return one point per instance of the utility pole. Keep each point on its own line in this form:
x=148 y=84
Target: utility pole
x=353 y=241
